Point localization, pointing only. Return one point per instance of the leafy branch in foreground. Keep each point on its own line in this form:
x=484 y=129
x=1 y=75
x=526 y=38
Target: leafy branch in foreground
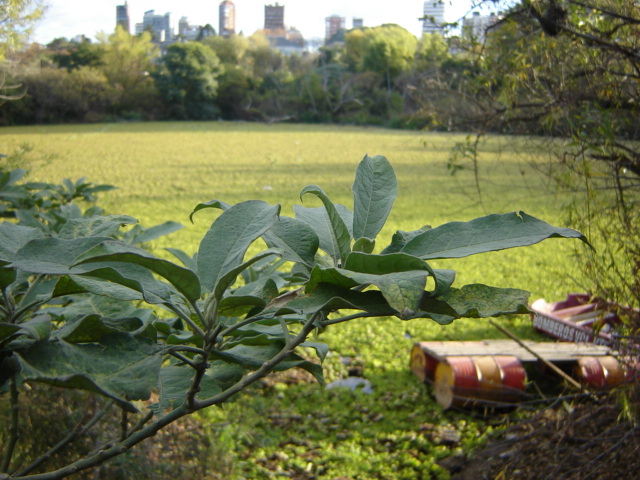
x=79 y=305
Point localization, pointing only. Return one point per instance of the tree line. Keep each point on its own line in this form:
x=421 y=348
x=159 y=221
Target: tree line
x=366 y=79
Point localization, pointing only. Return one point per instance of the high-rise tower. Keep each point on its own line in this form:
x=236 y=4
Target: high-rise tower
x=433 y=16
x=122 y=16
x=227 y=19
x=274 y=17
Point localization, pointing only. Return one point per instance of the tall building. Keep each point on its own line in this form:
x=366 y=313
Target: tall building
x=188 y=32
x=227 y=14
x=333 y=25
x=475 y=27
x=122 y=16
x=158 y=25
x=433 y=16
x=274 y=17
x=357 y=22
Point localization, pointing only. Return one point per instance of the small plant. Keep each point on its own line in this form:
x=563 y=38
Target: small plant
x=81 y=304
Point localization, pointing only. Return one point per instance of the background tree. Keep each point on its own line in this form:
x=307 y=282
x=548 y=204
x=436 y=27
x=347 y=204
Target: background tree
x=188 y=80
x=569 y=70
x=16 y=20
x=128 y=62
x=71 y=54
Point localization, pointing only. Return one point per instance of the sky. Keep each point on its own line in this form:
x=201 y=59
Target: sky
x=68 y=18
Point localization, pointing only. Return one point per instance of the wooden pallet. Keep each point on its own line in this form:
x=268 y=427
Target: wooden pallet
x=468 y=373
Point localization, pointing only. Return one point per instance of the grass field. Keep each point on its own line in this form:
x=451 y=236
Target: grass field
x=162 y=170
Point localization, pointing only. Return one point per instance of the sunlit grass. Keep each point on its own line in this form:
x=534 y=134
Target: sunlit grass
x=162 y=170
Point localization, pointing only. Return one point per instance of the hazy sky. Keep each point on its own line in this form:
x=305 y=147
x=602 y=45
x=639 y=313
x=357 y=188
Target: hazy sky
x=68 y=18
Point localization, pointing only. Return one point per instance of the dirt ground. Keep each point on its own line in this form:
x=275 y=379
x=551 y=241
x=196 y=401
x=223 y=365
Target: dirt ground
x=590 y=440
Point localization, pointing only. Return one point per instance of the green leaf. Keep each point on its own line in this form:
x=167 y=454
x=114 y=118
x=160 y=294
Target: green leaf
x=474 y=301
x=400 y=239
x=89 y=328
x=13 y=238
x=364 y=245
x=210 y=204
x=253 y=357
x=485 y=234
x=402 y=290
x=131 y=276
x=38 y=328
x=156 y=232
x=183 y=279
x=95 y=226
x=326 y=297
x=259 y=333
x=120 y=366
x=237 y=305
x=229 y=277
x=374 y=190
x=224 y=245
x=53 y=256
x=175 y=381
x=297 y=240
x=328 y=224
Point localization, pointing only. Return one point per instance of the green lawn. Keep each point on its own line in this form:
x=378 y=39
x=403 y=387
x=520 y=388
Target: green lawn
x=162 y=170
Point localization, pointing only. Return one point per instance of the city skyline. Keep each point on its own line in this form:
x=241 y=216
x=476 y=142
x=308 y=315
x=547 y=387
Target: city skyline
x=68 y=18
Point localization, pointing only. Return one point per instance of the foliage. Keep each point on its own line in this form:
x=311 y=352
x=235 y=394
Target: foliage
x=73 y=54
x=568 y=70
x=69 y=320
x=16 y=19
x=189 y=80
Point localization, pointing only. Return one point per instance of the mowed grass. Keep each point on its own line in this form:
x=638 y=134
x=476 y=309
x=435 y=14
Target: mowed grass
x=162 y=170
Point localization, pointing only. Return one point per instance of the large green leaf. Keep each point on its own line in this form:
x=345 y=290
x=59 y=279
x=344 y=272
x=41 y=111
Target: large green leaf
x=327 y=297
x=38 y=328
x=175 y=382
x=95 y=226
x=402 y=290
x=374 y=190
x=485 y=234
x=53 y=256
x=131 y=276
x=93 y=328
x=152 y=233
x=336 y=228
x=120 y=366
x=474 y=301
x=227 y=278
x=224 y=245
x=210 y=204
x=296 y=239
x=254 y=356
x=400 y=239
x=185 y=280
x=13 y=238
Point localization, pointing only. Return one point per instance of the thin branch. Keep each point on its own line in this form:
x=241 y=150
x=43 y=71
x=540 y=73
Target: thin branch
x=77 y=432
x=245 y=322
x=335 y=321
x=138 y=436
x=183 y=359
x=535 y=354
x=266 y=368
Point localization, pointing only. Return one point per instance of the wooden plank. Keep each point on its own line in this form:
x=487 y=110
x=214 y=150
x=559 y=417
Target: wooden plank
x=551 y=351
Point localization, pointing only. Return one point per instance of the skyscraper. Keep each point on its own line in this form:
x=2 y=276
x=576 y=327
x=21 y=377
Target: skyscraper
x=122 y=16
x=274 y=17
x=433 y=16
x=475 y=27
x=227 y=14
x=333 y=25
